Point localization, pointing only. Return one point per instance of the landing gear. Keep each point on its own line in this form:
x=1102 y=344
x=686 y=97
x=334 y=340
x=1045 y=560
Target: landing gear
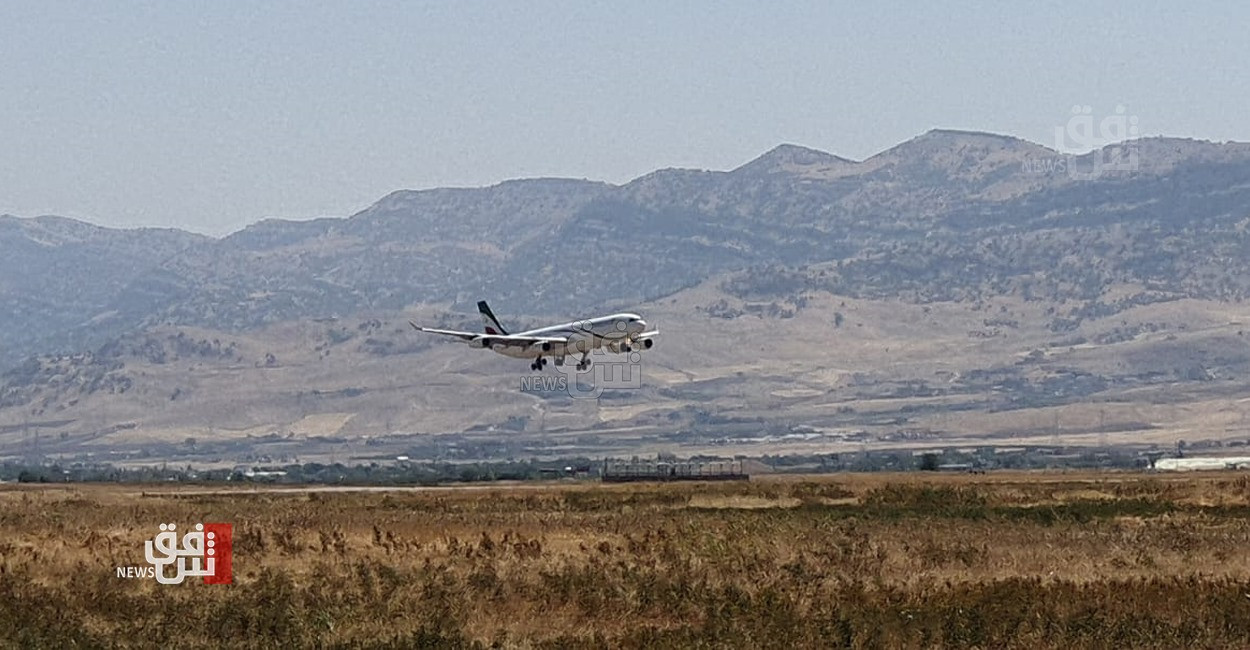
x=541 y=363
x=585 y=362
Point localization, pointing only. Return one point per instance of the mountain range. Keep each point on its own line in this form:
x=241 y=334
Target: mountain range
x=948 y=220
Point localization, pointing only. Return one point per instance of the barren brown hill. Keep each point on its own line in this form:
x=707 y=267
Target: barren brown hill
x=951 y=289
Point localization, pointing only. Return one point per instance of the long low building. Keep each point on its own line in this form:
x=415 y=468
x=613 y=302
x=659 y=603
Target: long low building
x=620 y=471
x=1210 y=462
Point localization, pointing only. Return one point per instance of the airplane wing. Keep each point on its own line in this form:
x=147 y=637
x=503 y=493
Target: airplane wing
x=464 y=336
x=526 y=341
x=495 y=339
x=640 y=341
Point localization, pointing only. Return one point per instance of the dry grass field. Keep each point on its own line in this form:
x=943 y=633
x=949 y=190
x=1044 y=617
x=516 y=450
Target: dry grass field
x=1075 y=560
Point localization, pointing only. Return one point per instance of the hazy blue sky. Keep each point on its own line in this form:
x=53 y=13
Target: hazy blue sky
x=211 y=115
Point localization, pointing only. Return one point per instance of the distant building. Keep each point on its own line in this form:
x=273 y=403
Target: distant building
x=619 y=471
x=1202 y=463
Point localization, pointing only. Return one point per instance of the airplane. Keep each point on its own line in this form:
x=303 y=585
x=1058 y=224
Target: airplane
x=618 y=333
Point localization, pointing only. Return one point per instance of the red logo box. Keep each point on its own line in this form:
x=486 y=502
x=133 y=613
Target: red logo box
x=219 y=547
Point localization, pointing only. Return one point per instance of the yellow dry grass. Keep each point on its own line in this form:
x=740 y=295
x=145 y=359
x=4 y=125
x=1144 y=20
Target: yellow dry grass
x=891 y=560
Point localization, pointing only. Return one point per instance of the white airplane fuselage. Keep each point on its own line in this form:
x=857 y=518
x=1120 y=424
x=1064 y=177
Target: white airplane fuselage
x=583 y=336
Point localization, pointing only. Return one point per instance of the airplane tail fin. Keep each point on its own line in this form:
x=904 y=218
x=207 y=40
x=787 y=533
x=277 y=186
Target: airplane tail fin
x=488 y=319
